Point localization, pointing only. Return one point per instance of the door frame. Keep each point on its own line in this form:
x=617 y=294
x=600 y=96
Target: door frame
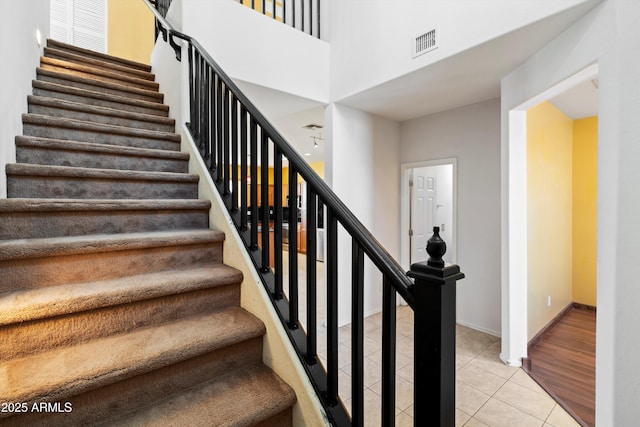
x=405 y=210
x=514 y=222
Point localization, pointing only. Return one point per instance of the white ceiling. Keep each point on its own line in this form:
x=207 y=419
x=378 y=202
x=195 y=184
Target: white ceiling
x=463 y=79
x=580 y=101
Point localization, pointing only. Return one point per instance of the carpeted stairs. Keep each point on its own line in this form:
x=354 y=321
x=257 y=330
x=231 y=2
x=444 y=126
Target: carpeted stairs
x=115 y=305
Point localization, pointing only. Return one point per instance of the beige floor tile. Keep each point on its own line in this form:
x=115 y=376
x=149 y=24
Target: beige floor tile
x=404 y=420
x=344 y=384
x=523 y=379
x=489 y=361
x=531 y=402
x=406 y=372
x=560 y=418
x=468 y=399
x=480 y=379
x=461 y=418
x=496 y=413
x=473 y=422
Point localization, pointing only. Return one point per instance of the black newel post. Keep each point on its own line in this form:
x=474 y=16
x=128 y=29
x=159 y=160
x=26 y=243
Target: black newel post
x=435 y=336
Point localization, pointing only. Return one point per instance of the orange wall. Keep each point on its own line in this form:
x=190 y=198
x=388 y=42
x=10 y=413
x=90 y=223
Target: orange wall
x=585 y=209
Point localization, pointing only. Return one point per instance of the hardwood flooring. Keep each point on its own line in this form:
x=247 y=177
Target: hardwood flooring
x=563 y=362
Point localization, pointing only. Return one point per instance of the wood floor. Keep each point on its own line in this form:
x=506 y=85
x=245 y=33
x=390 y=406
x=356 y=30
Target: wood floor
x=563 y=362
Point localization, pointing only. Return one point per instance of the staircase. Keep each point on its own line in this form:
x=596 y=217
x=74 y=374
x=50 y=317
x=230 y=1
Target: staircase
x=115 y=305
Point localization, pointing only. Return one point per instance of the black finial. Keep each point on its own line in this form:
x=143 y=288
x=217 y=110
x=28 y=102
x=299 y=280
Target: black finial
x=436 y=248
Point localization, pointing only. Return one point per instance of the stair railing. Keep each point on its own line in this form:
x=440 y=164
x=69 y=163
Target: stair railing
x=240 y=147
x=303 y=15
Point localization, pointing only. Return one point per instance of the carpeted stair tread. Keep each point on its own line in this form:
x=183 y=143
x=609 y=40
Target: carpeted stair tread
x=97 y=148
x=28 y=305
x=242 y=398
x=43 y=218
x=99 y=205
x=86 y=244
x=92 y=97
x=58 y=122
x=64 y=372
x=52 y=52
x=98 y=85
x=102 y=56
x=65 y=182
x=104 y=115
x=17 y=169
x=91 y=72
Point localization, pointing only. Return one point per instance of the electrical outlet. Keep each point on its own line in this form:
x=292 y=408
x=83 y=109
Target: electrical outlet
x=549 y=301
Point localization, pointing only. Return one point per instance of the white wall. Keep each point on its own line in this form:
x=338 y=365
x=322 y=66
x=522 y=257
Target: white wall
x=371 y=39
x=362 y=158
x=610 y=36
x=472 y=135
x=256 y=49
x=21 y=56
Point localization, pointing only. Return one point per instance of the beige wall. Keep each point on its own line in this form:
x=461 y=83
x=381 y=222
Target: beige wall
x=130 y=30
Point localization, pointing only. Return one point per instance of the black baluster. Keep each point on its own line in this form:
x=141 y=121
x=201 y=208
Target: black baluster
x=264 y=187
x=332 y=308
x=388 y=353
x=312 y=276
x=225 y=145
x=254 y=184
x=277 y=228
x=244 y=152
x=293 y=247
x=357 y=337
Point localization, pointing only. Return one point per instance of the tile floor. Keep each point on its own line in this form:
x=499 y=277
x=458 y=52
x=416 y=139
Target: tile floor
x=488 y=392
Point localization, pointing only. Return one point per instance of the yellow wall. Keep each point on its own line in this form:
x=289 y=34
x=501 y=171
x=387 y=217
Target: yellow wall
x=549 y=210
x=130 y=30
x=585 y=209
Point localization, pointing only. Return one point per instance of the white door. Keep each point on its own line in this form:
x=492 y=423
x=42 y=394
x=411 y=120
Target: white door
x=423 y=211
x=82 y=23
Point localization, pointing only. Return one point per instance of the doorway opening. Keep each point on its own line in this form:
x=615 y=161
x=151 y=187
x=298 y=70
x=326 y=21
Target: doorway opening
x=428 y=199
x=545 y=271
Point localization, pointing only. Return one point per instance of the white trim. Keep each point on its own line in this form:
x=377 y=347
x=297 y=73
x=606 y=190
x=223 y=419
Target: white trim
x=404 y=206
x=514 y=221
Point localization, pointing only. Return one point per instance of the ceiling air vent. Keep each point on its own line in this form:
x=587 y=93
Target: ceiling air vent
x=425 y=42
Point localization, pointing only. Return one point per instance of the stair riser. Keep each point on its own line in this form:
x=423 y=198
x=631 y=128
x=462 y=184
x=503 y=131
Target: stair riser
x=118 y=399
x=99 y=118
x=98 y=102
x=121 y=80
x=88 y=188
x=87 y=159
x=23 y=225
x=68 y=134
x=98 y=88
x=24 y=339
x=82 y=60
x=32 y=273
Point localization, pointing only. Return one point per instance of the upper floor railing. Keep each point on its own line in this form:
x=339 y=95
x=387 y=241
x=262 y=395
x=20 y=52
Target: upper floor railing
x=278 y=204
x=303 y=15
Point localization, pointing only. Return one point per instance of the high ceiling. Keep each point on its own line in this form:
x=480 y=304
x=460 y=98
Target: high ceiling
x=463 y=79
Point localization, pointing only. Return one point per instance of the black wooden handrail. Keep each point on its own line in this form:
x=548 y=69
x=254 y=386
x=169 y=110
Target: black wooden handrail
x=228 y=130
x=380 y=257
